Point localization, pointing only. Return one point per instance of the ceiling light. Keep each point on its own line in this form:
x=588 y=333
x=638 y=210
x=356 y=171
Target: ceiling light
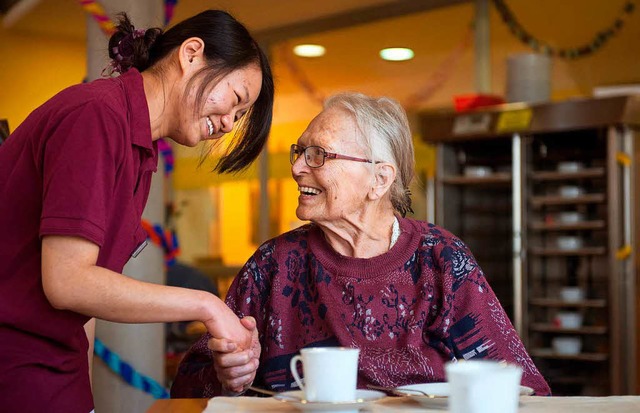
x=396 y=54
x=309 y=50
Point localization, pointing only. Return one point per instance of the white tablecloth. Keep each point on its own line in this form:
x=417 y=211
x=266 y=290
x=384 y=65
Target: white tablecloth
x=528 y=404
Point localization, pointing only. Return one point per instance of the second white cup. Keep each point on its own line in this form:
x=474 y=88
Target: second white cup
x=330 y=373
x=483 y=386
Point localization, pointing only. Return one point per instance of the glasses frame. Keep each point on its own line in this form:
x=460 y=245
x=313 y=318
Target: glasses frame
x=302 y=150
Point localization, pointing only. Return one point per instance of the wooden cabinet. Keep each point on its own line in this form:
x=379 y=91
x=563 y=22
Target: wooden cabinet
x=546 y=197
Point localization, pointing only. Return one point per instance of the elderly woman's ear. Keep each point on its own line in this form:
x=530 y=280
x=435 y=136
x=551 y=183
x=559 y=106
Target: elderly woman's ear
x=385 y=175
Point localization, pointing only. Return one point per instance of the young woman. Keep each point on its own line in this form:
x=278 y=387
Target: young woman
x=74 y=180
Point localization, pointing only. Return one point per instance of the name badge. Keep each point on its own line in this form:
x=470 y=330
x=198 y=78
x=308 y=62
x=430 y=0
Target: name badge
x=139 y=249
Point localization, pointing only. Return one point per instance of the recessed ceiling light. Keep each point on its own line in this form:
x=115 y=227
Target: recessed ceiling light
x=309 y=50
x=396 y=54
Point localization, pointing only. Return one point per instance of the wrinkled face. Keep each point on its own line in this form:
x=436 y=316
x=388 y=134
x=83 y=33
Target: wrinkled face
x=224 y=105
x=337 y=190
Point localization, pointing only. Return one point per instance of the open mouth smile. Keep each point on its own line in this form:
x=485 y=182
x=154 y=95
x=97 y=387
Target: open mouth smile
x=210 y=126
x=307 y=190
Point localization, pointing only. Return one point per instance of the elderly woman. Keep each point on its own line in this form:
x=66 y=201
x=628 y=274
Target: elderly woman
x=408 y=294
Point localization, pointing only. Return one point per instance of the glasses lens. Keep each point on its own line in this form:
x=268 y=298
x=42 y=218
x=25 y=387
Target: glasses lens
x=314 y=155
x=295 y=153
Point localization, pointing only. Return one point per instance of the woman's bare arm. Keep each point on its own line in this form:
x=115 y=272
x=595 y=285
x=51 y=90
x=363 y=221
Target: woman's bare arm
x=72 y=281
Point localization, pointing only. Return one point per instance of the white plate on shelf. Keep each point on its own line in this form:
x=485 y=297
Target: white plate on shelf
x=570 y=166
x=363 y=399
x=439 y=392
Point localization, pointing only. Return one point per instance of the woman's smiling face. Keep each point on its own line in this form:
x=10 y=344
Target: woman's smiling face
x=338 y=189
x=229 y=99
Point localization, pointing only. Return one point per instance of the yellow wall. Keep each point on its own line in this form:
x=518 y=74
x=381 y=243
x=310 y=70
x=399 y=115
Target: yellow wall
x=235 y=230
x=33 y=69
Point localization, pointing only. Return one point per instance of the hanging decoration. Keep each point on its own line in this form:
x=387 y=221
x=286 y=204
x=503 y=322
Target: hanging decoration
x=165 y=239
x=598 y=41
x=169 y=5
x=128 y=373
x=99 y=15
x=167 y=156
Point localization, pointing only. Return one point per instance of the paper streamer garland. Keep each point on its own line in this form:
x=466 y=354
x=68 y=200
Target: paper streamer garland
x=165 y=239
x=128 y=373
x=106 y=24
x=599 y=39
x=99 y=15
x=169 y=5
x=167 y=156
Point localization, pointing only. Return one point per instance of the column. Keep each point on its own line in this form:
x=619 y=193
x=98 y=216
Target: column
x=141 y=345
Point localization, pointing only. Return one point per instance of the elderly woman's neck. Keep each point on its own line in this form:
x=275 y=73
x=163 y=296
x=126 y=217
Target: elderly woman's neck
x=361 y=237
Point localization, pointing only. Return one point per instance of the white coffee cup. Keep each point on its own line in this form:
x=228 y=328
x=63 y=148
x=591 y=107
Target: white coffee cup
x=483 y=386
x=330 y=373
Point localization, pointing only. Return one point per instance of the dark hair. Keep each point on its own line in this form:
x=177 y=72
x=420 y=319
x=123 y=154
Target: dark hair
x=228 y=47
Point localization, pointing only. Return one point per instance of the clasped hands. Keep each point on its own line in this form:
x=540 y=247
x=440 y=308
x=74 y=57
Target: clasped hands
x=236 y=364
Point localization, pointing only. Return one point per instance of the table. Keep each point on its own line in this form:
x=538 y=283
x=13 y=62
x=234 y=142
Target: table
x=528 y=404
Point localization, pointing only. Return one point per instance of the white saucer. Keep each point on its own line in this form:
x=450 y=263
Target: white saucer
x=439 y=392
x=363 y=398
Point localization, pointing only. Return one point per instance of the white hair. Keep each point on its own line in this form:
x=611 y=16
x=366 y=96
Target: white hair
x=386 y=136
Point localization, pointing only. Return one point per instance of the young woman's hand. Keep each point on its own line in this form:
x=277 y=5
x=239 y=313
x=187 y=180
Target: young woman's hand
x=224 y=324
x=235 y=367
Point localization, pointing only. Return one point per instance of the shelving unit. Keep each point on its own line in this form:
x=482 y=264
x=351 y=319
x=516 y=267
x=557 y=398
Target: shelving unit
x=584 y=265
x=471 y=204
x=557 y=209
x=4 y=130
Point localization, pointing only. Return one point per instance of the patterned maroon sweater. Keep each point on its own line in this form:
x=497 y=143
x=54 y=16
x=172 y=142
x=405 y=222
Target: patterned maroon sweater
x=423 y=303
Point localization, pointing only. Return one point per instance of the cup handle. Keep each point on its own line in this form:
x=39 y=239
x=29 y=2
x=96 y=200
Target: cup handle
x=293 y=366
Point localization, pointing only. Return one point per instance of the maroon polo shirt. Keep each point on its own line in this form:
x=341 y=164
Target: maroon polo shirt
x=79 y=165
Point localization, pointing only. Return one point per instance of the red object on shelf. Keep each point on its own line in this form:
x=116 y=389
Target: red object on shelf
x=474 y=101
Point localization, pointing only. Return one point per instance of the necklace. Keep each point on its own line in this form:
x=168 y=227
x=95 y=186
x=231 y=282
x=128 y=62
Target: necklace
x=395 y=231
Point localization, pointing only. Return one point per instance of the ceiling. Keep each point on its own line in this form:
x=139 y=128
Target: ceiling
x=268 y=20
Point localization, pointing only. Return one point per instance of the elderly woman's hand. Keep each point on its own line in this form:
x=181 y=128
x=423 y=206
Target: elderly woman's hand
x=236 y=367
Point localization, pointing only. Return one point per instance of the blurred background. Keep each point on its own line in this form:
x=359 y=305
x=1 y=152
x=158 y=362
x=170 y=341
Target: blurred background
x=465 y=52
x=44 y=48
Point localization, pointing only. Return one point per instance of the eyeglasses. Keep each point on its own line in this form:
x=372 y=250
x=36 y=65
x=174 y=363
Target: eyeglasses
x=314 y=156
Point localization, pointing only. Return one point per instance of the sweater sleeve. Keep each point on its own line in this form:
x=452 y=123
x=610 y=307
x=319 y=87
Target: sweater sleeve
x=471 y=323
x=196 y=376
